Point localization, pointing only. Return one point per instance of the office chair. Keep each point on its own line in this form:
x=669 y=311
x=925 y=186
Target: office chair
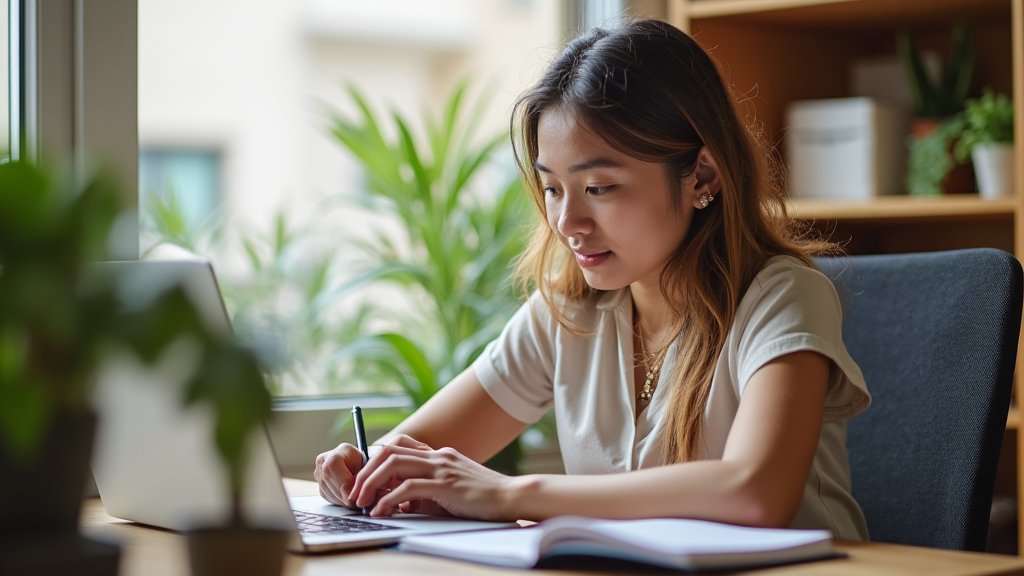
x=936 y=337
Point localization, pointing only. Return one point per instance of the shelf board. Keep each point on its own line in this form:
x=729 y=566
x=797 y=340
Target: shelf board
x=848 y=13
x=893 y=208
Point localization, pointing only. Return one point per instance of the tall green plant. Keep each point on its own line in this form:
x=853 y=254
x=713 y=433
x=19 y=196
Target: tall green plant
x=460 y=233
x=946 y=95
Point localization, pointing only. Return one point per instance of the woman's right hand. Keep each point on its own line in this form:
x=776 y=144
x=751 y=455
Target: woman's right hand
x=335 y=472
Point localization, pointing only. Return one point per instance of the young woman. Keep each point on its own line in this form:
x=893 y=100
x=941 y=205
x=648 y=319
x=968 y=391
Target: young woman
x=678 y=328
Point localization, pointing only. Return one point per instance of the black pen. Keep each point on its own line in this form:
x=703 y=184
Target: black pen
x=357 y=418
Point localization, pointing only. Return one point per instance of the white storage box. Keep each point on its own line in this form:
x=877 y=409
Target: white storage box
x=845 y=149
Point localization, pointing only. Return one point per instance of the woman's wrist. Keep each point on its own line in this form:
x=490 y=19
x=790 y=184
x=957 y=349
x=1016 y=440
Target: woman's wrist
x=523 y=497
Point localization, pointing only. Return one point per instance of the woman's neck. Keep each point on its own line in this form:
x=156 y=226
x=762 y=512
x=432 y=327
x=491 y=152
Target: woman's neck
x=652 y=315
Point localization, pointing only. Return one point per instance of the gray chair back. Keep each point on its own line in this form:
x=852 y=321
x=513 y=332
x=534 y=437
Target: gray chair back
x=936 y=337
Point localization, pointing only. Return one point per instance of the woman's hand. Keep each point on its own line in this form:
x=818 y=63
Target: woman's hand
x=407 y=477
x=335 y=471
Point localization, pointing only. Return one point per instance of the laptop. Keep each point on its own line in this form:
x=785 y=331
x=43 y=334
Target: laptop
x=154 y=462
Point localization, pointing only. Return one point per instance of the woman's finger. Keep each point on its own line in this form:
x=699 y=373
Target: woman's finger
x=406 y=441
x=329 y=484
x=397 y=466
x=387 y=452
x=411 y=490
x=428 y=507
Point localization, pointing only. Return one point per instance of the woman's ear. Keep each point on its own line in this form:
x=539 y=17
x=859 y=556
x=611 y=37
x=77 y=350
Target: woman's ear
x=708 y=179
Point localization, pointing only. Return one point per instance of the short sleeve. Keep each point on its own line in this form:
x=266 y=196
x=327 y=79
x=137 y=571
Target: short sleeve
x=517 y=368
x=790 y=307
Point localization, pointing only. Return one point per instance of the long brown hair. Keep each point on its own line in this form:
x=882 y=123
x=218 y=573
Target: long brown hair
x=650 y=91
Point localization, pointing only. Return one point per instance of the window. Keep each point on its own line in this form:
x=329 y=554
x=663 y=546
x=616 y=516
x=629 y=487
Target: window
x=189 y=177
x=243 y=129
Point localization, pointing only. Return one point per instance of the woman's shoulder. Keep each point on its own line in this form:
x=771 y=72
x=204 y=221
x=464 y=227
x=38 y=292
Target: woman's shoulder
x=786 y=278
x=791 y=270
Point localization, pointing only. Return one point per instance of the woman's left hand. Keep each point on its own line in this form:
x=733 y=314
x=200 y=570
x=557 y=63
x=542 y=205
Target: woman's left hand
x=432 y=482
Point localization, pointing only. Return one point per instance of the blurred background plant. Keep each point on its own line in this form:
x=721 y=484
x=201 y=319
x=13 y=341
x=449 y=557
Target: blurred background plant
x=408 y=300
x=930 y=160
x=943 y=96
x=938 y=97
x=461 y=214
x=280 y=287
x=988 y=120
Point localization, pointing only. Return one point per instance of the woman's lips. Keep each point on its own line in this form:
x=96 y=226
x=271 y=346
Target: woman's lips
x=591 y=260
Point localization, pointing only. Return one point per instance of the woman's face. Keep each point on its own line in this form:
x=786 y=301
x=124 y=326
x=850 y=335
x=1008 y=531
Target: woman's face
x=613 y=211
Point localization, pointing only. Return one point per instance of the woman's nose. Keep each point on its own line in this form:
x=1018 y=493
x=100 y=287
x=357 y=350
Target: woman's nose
x=573 y=217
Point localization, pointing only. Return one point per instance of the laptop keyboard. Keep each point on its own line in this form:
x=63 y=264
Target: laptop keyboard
x=310 y=523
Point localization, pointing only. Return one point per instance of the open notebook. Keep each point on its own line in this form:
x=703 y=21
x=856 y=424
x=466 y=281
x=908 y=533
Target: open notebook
x=670 y=543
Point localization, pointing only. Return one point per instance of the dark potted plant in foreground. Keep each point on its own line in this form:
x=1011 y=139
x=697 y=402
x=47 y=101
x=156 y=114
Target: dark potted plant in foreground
x=58 y=322
x=231 y=383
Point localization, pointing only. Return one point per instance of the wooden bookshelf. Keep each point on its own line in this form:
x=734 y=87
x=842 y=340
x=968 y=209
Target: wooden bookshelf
x=774 y=52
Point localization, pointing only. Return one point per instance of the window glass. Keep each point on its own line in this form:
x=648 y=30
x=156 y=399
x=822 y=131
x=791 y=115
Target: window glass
x=189 y=177
x=256 y=152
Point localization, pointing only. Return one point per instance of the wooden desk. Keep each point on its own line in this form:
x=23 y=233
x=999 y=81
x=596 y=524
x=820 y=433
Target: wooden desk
x=154 y=552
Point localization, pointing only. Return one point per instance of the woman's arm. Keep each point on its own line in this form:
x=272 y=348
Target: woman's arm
x=461 y=416
x=759 y=480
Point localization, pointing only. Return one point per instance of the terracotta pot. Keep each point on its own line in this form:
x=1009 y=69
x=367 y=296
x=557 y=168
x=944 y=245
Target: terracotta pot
x=236 y=550
x=43 y=492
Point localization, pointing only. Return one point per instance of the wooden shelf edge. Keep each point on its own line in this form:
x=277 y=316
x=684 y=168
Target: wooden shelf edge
x=902 y=207
x=711 y=8
x=721 y=8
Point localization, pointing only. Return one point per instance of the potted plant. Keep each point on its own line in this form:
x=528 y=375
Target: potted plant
x=936 y=102
x=458 y=236
x=987 y=140
x=58 y=323
x=931 y=164
x=230 y=382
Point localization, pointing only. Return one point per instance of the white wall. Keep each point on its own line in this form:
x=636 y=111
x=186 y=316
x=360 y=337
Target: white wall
x=249 y=77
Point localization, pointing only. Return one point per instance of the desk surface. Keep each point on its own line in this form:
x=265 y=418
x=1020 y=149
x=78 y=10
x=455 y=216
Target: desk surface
x=154 y=552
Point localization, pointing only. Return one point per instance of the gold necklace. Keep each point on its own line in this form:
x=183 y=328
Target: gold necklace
x=652 y=366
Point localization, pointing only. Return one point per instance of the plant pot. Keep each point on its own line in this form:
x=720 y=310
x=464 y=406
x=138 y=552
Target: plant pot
x=236 y=550
x=993 y=166
x=43 y=492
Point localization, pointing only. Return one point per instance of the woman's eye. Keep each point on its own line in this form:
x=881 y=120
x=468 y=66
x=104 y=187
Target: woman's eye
x=597 y=190
x=550 y=191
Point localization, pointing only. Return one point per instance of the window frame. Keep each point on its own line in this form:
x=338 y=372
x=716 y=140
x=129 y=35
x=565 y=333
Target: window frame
x=74 y=88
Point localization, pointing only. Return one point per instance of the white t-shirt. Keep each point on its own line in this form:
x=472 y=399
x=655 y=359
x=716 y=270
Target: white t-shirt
x=536 y=364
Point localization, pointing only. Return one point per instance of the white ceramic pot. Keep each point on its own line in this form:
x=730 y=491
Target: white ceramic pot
x=993 y=167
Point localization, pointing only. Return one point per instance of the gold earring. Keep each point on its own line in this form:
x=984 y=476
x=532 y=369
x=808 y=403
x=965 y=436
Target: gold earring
x=705 y=199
